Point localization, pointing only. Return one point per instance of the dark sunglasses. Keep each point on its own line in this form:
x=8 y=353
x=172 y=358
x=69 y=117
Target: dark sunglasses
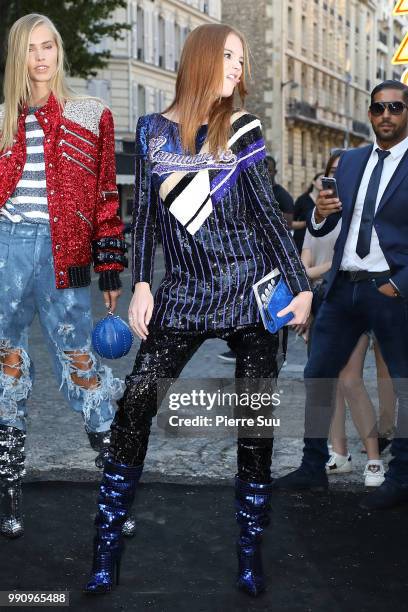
x=395 y=108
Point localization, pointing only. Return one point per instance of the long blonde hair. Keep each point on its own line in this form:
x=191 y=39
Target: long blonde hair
x=199 y=80
x=17 y=88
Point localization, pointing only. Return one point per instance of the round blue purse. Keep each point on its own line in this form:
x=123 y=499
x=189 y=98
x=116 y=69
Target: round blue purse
x=111 y=337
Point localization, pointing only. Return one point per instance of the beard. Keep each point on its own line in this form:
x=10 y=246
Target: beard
x=393 y=134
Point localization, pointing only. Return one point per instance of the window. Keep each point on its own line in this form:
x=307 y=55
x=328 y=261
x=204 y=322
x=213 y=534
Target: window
x=316 y=85
x=304 y=148
x=169 y=47
x=305 y=35
x=325 y=46
x=100 y=88
x=314 y=153
x=177 y=45
x=290 y=147
x=162 y=42
x=141 y=100
x=134 y=33
x=291 y=69
x=290 y=24
x=315 y=38
x=159 y=100
x=140 y=34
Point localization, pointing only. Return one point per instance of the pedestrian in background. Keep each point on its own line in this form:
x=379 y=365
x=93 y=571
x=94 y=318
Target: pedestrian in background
x=367 y=288
x=283 y=197
x=317 y=255
x=304 y=205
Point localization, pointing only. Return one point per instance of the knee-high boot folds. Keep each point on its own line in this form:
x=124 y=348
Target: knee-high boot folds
x=252 y=503
x=12 y=470
x=116 y=494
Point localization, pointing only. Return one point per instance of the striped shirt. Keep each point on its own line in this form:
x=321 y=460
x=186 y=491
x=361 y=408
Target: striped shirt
x=29 y=201
x=221 y=228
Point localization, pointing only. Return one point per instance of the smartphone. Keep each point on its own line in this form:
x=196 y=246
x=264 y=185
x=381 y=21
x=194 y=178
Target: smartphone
x=328 y=182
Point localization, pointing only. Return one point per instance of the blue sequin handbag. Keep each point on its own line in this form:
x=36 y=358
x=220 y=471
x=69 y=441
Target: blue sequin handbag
x=111 y=337
x=272 y=296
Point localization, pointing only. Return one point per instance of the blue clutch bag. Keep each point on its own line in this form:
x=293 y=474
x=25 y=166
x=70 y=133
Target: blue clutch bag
x=111 y=337
x=272 y=296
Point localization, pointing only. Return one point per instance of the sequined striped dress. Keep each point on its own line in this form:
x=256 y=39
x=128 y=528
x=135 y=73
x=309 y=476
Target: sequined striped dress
x=219 y=222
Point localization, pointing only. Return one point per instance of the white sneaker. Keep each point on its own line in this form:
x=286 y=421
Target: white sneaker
x=374 y=474
x=338 y=464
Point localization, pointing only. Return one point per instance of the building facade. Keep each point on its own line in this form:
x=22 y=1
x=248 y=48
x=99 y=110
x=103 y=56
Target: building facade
x=390 y=33
x=314 y=65
x=141 y=73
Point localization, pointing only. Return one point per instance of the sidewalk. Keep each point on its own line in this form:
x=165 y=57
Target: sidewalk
x=58 y=448
x=321 y=552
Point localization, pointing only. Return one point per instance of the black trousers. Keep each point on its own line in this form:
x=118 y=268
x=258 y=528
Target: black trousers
x=162 y=356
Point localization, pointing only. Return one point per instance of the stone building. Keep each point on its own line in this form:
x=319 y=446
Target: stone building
x=390 y=33
x=141 y=73
x=314 y=64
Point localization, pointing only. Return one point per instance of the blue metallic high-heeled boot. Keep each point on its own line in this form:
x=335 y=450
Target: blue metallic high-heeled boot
x=116 y=495
x=252 y=503
x=100 y=442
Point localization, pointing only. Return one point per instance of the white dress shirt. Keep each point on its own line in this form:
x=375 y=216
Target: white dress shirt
x=375 y=260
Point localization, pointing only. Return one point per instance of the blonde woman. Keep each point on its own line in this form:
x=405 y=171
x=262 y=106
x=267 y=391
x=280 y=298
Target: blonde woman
x=58 y=203
x=202 y=180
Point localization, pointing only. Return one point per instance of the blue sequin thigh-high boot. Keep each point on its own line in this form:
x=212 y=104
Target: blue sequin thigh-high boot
x=252 y=512
x=116 y=495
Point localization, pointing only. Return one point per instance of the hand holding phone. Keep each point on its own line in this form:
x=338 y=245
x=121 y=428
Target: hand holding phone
x=327 y=203
x=330 y=183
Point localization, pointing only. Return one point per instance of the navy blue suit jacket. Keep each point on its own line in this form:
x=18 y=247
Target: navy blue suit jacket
x=390 y=221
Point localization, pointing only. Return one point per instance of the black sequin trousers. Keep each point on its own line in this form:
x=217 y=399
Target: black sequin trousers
x=162 y=356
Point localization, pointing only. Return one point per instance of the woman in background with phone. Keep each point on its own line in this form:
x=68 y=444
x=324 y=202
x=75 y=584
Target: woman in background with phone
x=304 y=204
x=317 y=254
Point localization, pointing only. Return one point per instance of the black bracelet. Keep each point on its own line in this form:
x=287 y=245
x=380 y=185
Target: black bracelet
x=110 y=257
x=109 y=243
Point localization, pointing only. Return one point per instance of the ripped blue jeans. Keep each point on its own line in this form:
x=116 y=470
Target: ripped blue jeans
x=27 y=283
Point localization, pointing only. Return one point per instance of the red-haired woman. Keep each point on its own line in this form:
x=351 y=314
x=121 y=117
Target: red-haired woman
x=201 y=180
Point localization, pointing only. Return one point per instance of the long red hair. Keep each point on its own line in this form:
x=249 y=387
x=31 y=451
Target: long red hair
x=199 y=80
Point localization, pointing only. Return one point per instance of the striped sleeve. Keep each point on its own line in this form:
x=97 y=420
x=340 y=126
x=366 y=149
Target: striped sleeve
x=265 y=211
x=144 y=210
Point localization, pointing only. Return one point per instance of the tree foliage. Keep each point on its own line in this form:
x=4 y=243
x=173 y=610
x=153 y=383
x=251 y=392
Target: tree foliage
x=81 y=23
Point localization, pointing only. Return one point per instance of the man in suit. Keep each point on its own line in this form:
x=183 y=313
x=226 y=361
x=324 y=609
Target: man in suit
x=367 y=288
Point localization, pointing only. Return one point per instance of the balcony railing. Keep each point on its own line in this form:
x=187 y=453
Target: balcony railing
x=297 y=108
x=303 y=111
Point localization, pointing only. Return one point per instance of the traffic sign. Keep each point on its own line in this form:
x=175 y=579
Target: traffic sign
x=401 y=8
x=404 y=78
x=401 y=55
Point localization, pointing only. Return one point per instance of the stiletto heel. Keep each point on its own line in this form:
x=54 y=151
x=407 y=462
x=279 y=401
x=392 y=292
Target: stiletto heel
x=118 y=562
x=116 y=494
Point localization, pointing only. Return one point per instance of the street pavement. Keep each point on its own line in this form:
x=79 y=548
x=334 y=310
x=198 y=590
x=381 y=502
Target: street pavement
x=322 y=553
x=58 y=447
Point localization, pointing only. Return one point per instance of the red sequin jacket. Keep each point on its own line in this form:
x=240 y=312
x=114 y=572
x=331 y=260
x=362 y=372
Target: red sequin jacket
x=79 y=154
